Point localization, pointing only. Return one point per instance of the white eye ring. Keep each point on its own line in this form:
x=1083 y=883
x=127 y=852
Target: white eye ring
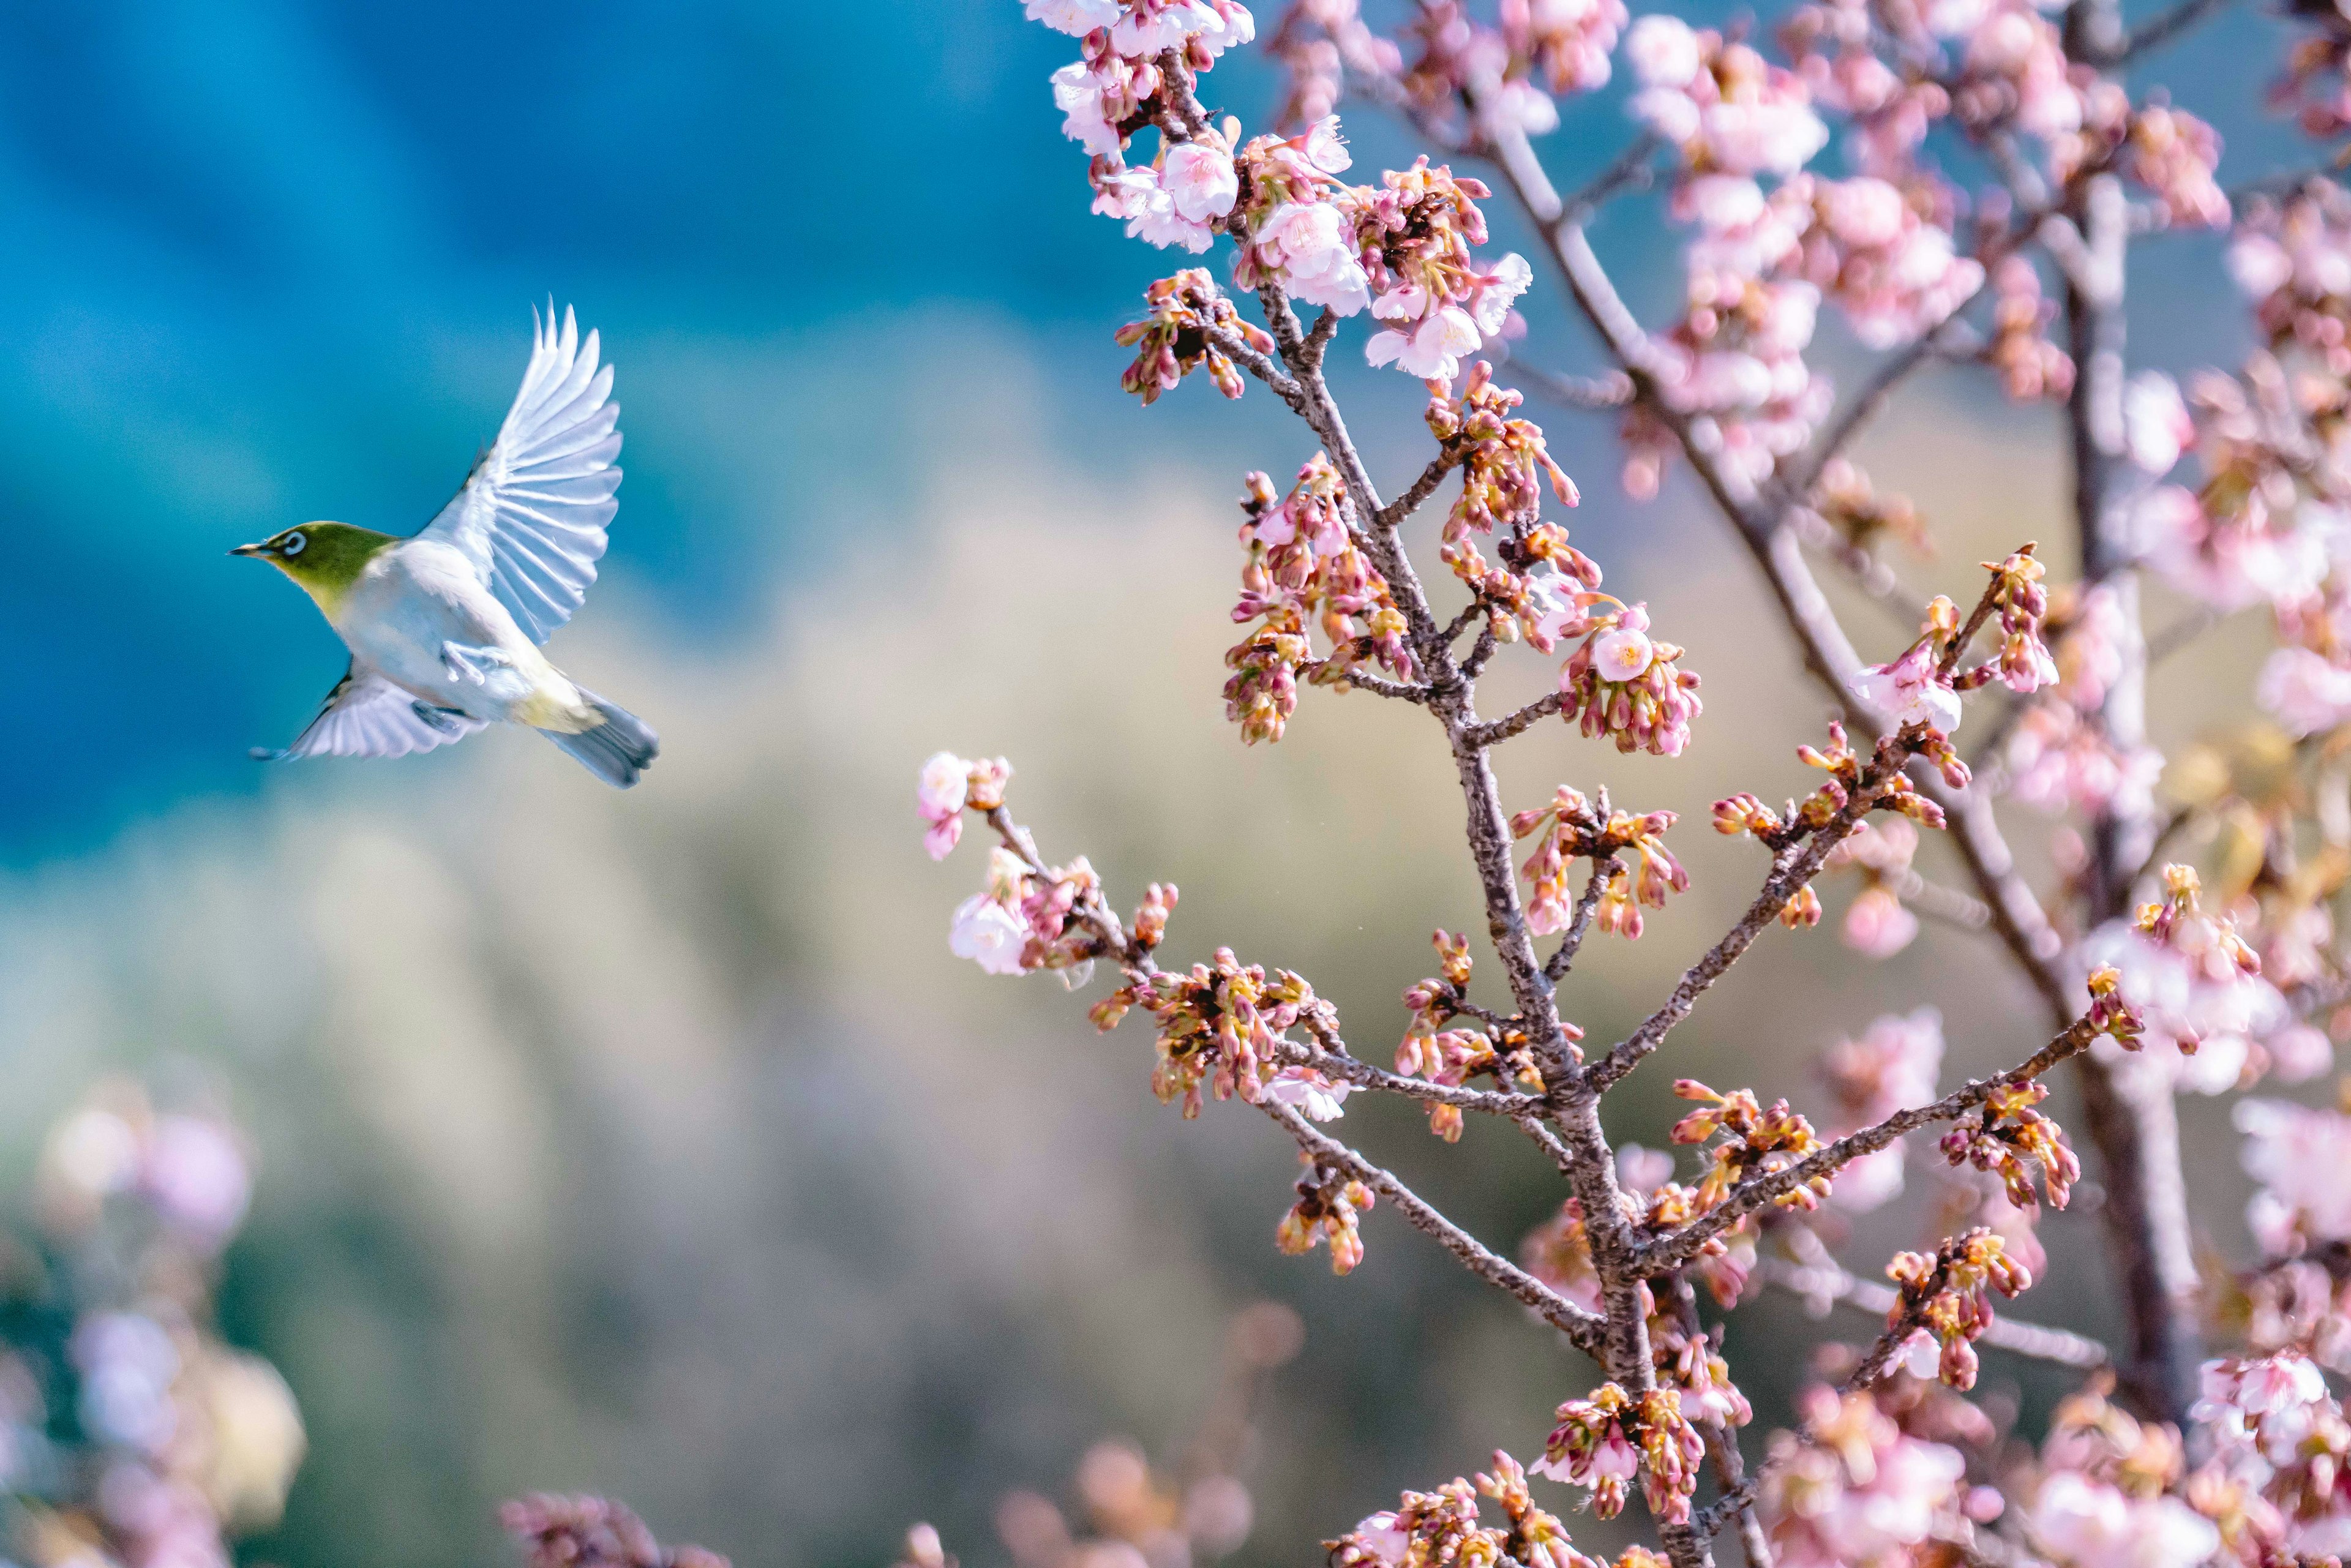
x=294 y=545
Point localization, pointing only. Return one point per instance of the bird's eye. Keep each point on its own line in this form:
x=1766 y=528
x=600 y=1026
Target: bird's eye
x=292 y=545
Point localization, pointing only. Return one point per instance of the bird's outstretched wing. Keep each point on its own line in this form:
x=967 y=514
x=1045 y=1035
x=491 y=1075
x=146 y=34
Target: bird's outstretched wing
x=367 y=716
x=531 y=517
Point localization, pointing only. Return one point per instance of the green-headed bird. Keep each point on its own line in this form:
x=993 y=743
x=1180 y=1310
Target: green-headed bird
x=444 y=628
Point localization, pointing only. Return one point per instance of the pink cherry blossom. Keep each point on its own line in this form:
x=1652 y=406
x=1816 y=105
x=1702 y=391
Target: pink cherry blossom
x=2156 y=421
x=1200 y=181
x=945 y=786
x=2085 y=1524
x=1430 y=347
x=989 y=935
x=2298 y=1154
x=1075 y=18
x=1876 y=925
x=2307 y=692
x=1911 y=691
x=1313 y=248
x=1315 y=1097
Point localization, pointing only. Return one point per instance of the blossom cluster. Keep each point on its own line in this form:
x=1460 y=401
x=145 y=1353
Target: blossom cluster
x=1303 y=565
x=1853 y=1490
x=1433 y=1529
x=1572 y=830
x=127 y=1425
x=1603 y=1442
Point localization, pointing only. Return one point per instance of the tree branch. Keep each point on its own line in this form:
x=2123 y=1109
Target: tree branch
x=1824 y=1284
x=1586 y=1328
x=1749 y=1197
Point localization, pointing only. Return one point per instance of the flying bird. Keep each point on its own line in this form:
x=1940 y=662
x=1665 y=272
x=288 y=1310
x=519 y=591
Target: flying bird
x=444 y=627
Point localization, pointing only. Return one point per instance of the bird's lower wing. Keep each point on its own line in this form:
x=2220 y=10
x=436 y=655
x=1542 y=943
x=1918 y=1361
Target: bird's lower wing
x=367 y=716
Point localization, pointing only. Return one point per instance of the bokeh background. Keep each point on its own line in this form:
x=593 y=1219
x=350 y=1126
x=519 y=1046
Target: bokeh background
x=654 y=1143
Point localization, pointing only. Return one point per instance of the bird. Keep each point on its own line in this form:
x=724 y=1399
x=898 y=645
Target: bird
x=444 y=626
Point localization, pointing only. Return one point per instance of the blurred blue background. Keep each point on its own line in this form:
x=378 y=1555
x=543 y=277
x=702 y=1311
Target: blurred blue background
x=630 y=1141
x=268 y=261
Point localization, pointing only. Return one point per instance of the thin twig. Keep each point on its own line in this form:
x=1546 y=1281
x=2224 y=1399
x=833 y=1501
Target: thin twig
x=1825 y=1285
x=1679 y=1246
x=1496 y=731
x=1604 y=870
x=1584 y=1328
x=1420 y=490
x=1609 y=389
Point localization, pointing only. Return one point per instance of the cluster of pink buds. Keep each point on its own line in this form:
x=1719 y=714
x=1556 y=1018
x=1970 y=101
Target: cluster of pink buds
x=1221 y=1026
x=1876 y=923
x=1189 y=320
x=1943 y=1295
x=2172 y=154
x=1329 y=1201
x=1452 y=1057
x=1025 y=922
x=1728 y=109
x=1535 y=1537
x=1755 y=1141
x=1848 y=502
x=1303 y=563
x=2006 y=1136
x=1442 y=1528
x=2031 y=367
x=1436 y=301
x=2109 y=1490
x=1579 y=832
x=2317 y=79
x=1726 y=1259
x=1604 y=1441
x=1746 y=813
x=2293 y=258
x=2281 y=1452
x=1853 y=1487
x=1119 y=86
x=2014 y=72
x=1884 y=253
x=2023 y=665
x=1830 y=42
x=1505 y=468
x=2197 y=983
x=1296 y=223
x=1892 y=1067
x=1623 y=685
x=948 y=784
x=2179 y=921
x=2111 y=1013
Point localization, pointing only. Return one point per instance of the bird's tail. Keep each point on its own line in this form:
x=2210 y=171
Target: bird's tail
x=618 y=750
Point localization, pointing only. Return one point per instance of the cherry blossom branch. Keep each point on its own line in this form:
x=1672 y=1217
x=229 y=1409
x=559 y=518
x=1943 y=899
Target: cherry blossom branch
x=1610 y=389
x=2128 y=1114
x=1421 y=489
x=1825 y=1284
x=1677 y=1246
x=1510 y=725
x=1364 y=680
x=1579 y=921
x=1792 y=867
x=1584 y=1329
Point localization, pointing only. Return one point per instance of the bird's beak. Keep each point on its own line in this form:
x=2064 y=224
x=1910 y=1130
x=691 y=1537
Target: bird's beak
x=250 y=549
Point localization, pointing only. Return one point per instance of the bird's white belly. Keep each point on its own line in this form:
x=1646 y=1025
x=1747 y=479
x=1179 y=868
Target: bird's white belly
x=415 y=626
